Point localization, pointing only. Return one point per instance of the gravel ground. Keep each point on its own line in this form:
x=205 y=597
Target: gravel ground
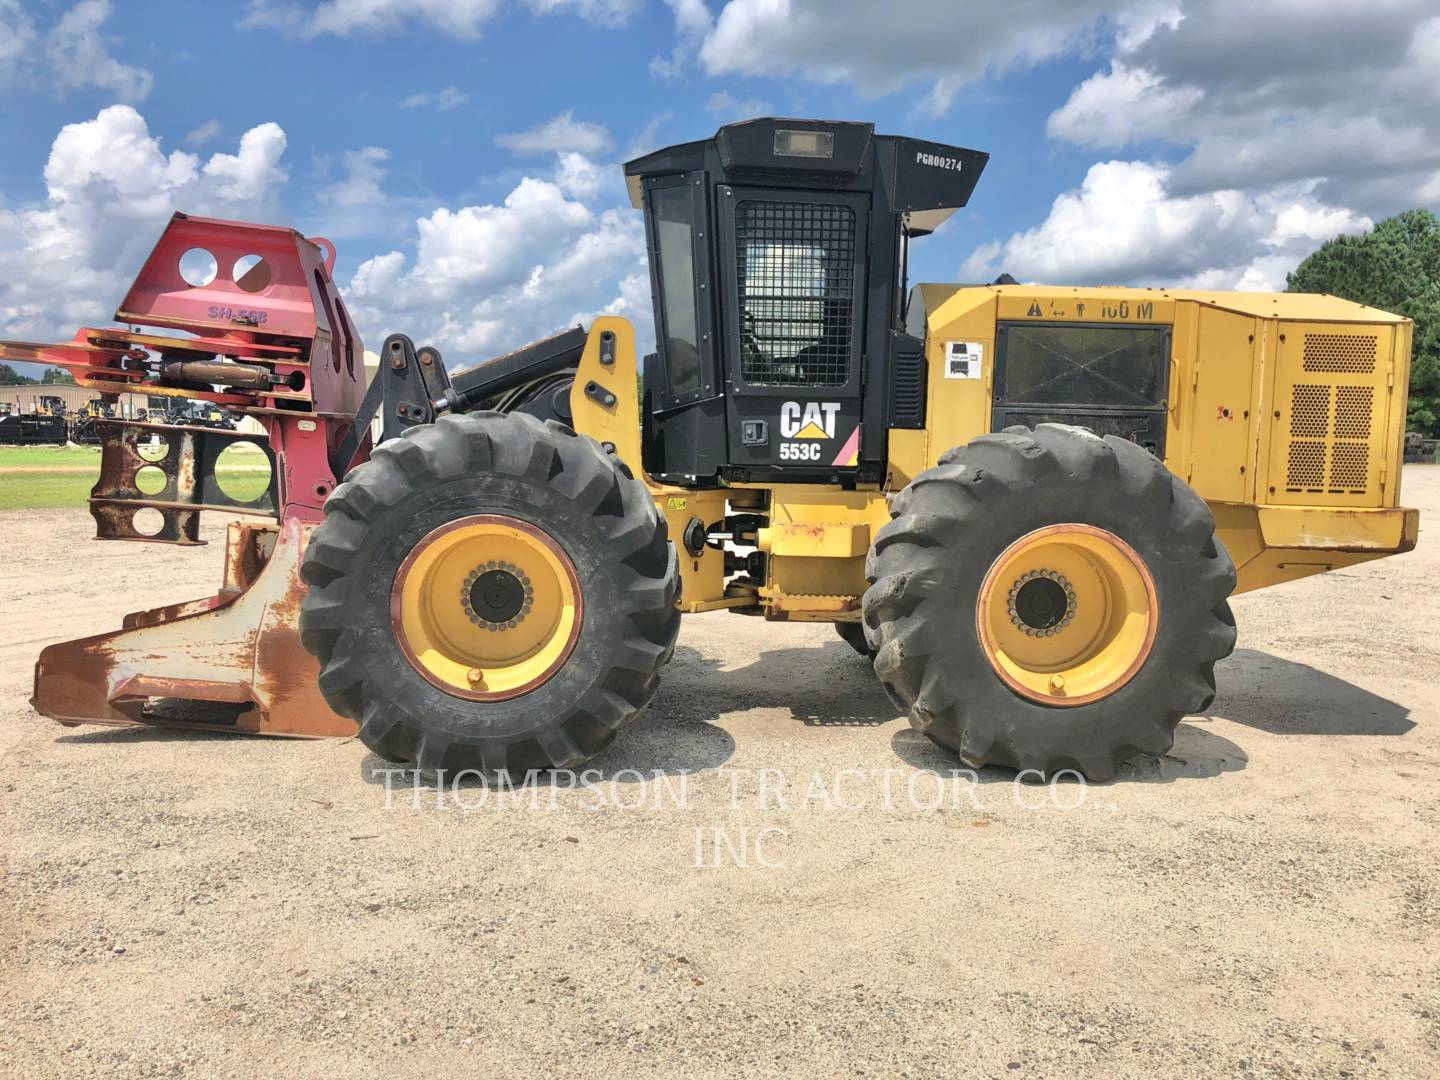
x=1264 y=901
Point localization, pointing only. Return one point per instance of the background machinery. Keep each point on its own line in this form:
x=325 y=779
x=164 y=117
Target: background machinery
x=1025 y=505
x=44 y=424
x=1420 y=449
x=82 y=420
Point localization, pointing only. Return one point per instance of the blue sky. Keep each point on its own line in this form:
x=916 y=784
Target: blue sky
x=463 y=154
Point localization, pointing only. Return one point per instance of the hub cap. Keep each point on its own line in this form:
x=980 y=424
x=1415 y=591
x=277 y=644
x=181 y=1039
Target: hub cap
x=495 y=598
x=487 y=607
x=1042 y=603
x=1067 y=614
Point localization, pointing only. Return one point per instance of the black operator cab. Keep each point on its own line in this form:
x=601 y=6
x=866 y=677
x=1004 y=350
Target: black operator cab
x=777 y=264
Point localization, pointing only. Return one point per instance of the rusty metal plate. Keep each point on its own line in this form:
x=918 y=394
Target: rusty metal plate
x=231 y=662
x=188 y=465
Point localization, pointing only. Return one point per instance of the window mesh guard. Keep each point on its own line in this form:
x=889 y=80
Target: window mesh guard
x=797 y=292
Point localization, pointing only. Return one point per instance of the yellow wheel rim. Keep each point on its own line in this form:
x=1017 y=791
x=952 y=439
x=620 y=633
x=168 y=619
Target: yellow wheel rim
x=1067 y=614
x=487 y=607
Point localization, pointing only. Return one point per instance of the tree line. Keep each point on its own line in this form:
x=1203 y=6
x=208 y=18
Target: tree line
x=49 y=377
x=1394 y=267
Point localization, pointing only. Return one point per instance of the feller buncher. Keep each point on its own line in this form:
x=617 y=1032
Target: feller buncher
x=1026 y=505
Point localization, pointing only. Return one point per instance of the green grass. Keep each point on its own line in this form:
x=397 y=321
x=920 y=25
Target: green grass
x=244 y=484
x=35 y=457
x=44 y=489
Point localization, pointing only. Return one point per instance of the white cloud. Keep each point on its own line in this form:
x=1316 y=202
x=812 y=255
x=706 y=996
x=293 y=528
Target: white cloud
x=1256 y=92
x=1121 y=105
x=80 y=56
x=198 y=136
x=477 y=280
x=692 y=23
x=728 y=107
x=1352 y=100
x=880 y=48
x=579 y=176
x=647 y=138
x=1123 y=226
x=600 y=12
x=249 y=177
x=463 y=19
x=485 y=279
x=1273 y=149
x=364 y=173
x=73 y=54
x=480 y=245
x=1135 y=24
x=459 y=18
x=451 y=97
x=17 y=32
x=558 y=134
x=110 y=189
x=692 y=18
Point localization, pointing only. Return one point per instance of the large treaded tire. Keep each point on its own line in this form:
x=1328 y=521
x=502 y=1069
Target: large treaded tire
x=491 y=463
x=853 y=634
x=953 y=521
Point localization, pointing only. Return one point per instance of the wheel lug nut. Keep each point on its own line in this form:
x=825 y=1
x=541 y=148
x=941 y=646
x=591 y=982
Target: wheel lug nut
x=474 y=675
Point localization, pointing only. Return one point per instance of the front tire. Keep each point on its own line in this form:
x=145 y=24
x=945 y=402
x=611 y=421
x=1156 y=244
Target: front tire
x=490 y=592
x=1049 y=600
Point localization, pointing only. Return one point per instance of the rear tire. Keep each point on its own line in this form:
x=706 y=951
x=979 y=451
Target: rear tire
x=1115 y=635
x=853 y=634
x=588 y=551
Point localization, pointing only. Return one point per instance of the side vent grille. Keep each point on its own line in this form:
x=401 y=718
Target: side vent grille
x=908 y=372
x=1310 y=412
x=1347 y=466
x=1307 y=466
x=1341 y=352
x=1329 y=426
x=1352 y=411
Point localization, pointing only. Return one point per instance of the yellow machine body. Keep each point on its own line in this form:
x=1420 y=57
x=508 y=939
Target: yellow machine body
x=1285 y=413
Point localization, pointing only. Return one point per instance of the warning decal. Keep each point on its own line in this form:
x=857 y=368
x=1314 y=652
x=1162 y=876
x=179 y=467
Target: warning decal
x=964 y=359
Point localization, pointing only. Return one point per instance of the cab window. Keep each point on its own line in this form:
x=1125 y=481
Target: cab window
x=675 y=253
